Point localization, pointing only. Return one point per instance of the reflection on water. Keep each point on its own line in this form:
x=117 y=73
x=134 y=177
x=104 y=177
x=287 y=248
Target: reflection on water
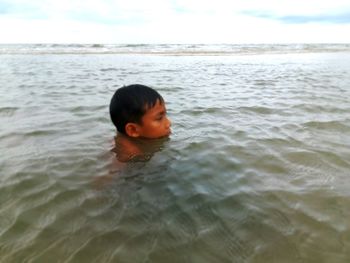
x=256 y=169
x=128 y=149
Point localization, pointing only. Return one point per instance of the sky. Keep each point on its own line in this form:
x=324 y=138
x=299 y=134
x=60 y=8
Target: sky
x=174 y=21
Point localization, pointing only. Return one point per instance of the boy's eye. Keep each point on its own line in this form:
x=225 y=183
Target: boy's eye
x=159 y=118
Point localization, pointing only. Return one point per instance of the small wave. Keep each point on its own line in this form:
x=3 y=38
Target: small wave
x=319 y=108
x=87 y=109
x=97 y=46
x=172 y=49
x=8 y=111
x=223 y=236
x=200 y=111
x=316 y=167
x=108 y=69
x=27 y=134
x=303 y=157
x=334 y=159
x=328 y=125
x=38 y=133
x=258 y=109
x=135 y=45
x=74 y=45
x=270 y=164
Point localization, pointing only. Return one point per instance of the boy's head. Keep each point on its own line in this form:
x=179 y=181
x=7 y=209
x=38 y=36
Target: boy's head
x=139 y=111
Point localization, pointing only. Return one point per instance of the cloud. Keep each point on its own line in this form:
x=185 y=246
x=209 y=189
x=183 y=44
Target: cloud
x=311 y=11
x=4 y=8
x=343 y=18
x=174 y=21
x=20 y=9
x=323 y=19
x=137 y=12
x=102 y=11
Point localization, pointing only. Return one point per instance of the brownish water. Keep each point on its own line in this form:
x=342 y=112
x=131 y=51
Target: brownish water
x=256 y=170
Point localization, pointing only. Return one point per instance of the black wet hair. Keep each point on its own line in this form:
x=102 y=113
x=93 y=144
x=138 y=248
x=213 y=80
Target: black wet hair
x=130 y=103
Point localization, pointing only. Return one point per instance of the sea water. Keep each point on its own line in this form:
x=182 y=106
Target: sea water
x=256 y=169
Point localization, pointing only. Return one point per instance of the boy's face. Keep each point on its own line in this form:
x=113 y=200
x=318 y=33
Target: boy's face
x=155 y=123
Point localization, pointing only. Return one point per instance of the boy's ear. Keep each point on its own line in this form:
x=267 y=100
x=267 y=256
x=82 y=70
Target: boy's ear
x=132 y=129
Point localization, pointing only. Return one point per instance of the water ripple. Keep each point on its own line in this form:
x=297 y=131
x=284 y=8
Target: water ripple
x=256 y=169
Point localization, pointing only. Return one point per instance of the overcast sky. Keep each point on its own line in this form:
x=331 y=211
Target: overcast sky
x=174 y=21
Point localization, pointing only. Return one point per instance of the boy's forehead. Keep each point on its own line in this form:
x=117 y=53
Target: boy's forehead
x=158 y=107
x=159 y=103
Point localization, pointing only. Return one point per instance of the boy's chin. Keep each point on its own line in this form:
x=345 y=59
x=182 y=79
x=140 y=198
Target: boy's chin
x=168 y=134
x=158 y=137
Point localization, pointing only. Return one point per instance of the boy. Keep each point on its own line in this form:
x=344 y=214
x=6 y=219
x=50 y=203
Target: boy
x=138 y=112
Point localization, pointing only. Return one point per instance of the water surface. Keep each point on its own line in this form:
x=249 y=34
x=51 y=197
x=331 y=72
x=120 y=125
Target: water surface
x=256 y=170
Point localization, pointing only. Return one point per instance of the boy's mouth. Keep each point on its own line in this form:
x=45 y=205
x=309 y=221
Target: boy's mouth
x=166 y=134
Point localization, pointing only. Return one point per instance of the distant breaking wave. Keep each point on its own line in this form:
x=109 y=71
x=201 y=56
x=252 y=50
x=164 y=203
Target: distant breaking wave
x=172 y=49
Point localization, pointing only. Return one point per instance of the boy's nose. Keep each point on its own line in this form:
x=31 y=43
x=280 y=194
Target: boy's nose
x=168 y=123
